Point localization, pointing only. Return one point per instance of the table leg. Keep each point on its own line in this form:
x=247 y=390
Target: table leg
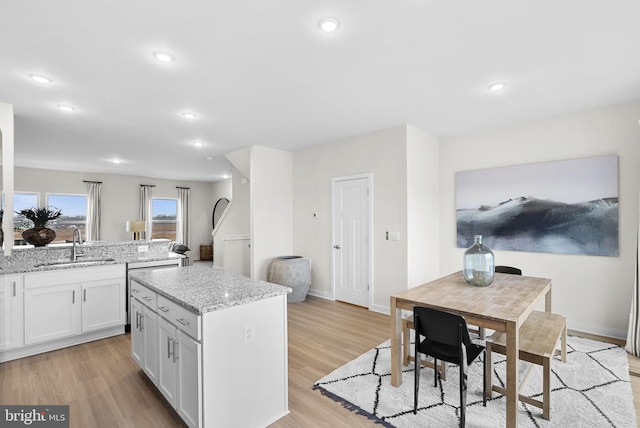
x=513 y=350
x=547 y=301
x=396 y=344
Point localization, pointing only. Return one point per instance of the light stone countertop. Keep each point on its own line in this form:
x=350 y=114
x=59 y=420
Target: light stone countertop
x=206 y=289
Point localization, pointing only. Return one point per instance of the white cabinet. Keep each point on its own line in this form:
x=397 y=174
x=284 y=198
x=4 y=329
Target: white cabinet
x=179 y=379
x=149 y=326
x=42 y=311
x=144 y=338
x=102 y=303
x=137 y=337
x=51 y=312
x=65 y=303
x=11 y=312
x=178 y=355
x=167 y=368
x=188 y=391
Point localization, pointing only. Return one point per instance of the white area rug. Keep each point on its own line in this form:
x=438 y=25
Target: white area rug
x=591 y=389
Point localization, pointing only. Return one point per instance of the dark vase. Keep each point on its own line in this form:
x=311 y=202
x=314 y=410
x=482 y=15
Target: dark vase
x=39 y=236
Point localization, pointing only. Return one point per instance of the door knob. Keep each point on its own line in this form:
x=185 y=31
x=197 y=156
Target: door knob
x=337 y=247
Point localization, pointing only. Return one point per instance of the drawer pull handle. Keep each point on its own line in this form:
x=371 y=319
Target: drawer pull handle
x=73 y=297
x=163 y=309
x=169 y=353
x=138 y=320
x=135 y=290
x=14 y=289
x=84 y=295
x=183 y=322
x=146 y=298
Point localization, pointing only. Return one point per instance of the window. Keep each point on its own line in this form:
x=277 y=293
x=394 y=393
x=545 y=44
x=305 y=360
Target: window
x=164 y=213
x=22 y=201
x=74 y=213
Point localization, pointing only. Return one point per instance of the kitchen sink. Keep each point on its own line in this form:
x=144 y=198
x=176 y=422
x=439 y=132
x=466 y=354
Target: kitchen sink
x=68 y=263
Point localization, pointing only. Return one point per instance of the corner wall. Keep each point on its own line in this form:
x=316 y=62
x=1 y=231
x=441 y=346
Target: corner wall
x=383 y=153
x=594 y=293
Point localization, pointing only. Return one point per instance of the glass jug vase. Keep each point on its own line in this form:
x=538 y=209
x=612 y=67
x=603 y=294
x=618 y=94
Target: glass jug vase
x=478 y=264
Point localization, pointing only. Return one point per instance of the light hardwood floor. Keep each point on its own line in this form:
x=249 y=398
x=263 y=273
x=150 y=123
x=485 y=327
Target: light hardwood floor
x=105 y=388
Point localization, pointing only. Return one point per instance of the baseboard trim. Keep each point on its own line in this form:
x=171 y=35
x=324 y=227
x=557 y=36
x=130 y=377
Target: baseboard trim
x=39 y=348
x=606 y=339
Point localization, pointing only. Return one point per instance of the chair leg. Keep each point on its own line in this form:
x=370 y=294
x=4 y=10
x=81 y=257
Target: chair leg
x=435 y=371
x=416 y=380
x=463 y=393
x=488 y=372
x=484 y=379
x=405 y=342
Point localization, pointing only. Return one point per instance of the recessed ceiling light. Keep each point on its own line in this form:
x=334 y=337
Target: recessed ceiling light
x=65 y=107
x=116 y=160
x=329 y=25
x=498 y=86
x=189 y=115
x=163 y=56
x=209 y=157
x=198 y=143
x=40 y=78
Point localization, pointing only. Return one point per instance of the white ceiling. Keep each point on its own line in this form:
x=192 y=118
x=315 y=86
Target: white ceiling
x=261 y=72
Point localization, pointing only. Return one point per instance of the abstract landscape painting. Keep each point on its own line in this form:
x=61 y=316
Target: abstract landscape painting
x=567 y=207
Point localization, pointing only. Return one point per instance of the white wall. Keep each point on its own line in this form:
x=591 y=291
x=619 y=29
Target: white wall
x=423 y=210
x=6 y=160
x=593 y=292
x=271 y=207
x=382 y=153
x=121 y=199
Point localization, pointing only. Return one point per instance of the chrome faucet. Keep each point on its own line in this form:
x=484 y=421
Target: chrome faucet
x=74 y=252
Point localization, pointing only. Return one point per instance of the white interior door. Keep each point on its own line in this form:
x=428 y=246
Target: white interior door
x=350 y=224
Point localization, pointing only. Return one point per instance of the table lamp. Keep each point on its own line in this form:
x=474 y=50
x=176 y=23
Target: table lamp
x=136 y=227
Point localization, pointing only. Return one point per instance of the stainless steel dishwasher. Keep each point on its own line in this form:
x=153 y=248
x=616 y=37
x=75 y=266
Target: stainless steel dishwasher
x=141 y=266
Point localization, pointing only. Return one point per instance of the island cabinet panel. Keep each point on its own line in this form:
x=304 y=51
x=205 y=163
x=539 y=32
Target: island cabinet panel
x=245 y=349
x=137 y=337
x=222 y=345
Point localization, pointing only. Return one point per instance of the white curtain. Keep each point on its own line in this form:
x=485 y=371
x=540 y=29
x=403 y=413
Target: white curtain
x=633 y=335
x=182 y=226
x=146 y=194
x=94 y=207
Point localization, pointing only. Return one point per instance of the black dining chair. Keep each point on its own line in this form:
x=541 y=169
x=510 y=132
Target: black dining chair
x=508 y=269
x=444 y=336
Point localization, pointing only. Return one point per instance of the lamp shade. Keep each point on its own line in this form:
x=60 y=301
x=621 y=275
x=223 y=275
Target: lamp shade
x=136 y=226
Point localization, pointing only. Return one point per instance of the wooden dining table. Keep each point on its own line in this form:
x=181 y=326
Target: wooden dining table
x=502 y=306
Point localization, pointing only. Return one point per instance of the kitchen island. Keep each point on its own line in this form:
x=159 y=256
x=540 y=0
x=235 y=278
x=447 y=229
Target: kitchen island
x=213 y=343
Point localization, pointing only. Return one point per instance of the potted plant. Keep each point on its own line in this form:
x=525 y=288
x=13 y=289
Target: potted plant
x=39 y=235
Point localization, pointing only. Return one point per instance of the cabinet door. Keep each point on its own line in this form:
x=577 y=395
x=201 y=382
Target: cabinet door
x=102 y=304
x=167 y=367
x=189 y=380
x=51 y=312
x=12 y=335
x=137 y=339
x=149 y=326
